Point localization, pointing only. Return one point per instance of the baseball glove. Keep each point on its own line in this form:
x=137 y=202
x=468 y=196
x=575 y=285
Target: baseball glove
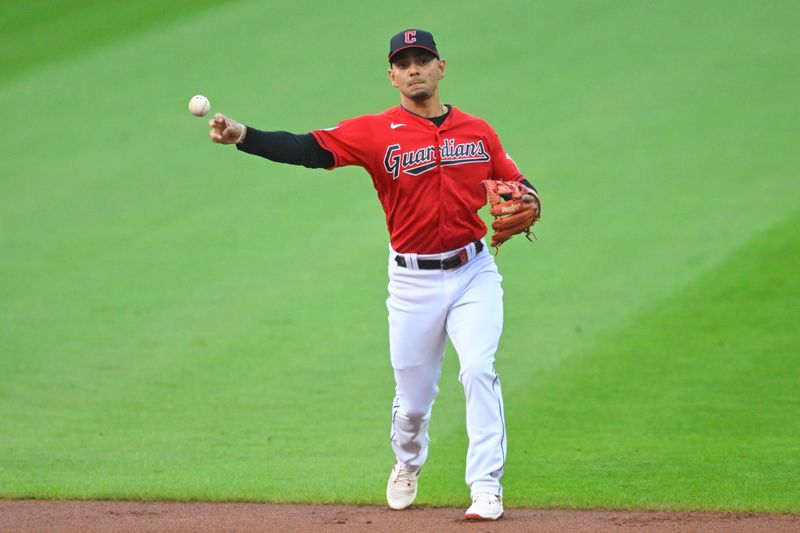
x=511 y=214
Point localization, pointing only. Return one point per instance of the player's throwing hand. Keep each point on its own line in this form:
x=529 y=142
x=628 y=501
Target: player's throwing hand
x=225 y=130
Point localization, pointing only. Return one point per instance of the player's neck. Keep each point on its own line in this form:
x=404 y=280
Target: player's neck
x=428 y=108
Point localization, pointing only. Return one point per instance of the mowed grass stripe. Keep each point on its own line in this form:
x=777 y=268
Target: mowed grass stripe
x=692 y=406
x=38 y=32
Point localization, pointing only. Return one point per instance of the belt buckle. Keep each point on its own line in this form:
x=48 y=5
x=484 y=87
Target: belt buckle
x=455 y=261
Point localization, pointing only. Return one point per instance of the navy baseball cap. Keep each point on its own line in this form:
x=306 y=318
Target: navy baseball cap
x=412 y=38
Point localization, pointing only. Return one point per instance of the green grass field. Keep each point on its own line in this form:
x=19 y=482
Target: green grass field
x=181 y=321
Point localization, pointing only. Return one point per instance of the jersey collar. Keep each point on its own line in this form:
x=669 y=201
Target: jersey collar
x=425 y=120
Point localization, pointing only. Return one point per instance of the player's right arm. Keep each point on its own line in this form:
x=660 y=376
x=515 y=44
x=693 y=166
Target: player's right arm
x=348 y=143
x=278 y=146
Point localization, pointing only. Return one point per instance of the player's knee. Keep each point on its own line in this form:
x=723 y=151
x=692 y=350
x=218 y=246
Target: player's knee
x=413 y=416
x=476 y=373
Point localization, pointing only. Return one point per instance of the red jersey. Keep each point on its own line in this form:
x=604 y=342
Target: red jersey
x=428 y=178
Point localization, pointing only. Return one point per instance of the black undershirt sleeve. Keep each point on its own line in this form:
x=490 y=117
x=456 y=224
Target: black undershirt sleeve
x=285 y=147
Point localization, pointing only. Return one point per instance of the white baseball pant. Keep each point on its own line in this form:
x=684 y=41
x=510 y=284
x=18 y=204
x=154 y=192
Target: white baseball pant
x=425 y=307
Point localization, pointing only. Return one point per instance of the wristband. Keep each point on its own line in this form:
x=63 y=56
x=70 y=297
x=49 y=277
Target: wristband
x=241 y=137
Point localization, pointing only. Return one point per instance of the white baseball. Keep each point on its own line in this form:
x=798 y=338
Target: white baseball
x=199 y=105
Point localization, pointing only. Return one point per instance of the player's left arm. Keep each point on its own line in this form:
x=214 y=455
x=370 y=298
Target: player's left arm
x=505 y=169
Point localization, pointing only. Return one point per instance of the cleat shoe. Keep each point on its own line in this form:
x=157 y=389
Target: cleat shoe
x=485 y=507
x=402 y=487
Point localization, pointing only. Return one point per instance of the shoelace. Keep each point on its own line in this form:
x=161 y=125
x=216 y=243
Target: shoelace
x=491 y=498
x=404 y=476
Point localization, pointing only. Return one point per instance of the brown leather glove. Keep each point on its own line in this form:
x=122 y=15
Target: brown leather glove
x=512 y=214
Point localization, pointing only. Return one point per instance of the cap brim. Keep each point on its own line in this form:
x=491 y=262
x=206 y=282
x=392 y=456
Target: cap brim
x=434 y=52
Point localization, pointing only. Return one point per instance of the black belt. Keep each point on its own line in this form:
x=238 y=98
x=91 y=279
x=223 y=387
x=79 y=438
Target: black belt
x=456 y=261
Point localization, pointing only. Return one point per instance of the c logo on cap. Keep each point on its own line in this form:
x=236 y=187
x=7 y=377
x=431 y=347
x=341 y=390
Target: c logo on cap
x=411 y=36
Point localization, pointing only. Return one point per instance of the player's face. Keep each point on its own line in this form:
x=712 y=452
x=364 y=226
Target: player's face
x=416 y=73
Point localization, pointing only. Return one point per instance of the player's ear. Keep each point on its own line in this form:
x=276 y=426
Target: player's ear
x=442 y=65
x=390 y=72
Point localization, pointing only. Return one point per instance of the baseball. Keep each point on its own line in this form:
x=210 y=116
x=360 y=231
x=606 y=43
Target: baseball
x=199 y=105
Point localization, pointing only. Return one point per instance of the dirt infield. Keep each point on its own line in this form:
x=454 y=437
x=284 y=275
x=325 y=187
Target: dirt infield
x=92 y=516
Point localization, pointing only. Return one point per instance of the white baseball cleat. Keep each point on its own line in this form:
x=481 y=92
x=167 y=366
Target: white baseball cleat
x=485 y=506
x=402 y=487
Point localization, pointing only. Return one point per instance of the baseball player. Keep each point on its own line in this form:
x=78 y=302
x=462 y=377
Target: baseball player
x=427 y=161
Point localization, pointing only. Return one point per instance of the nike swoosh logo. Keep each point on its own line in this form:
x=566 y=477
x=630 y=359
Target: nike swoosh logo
x=395 y=126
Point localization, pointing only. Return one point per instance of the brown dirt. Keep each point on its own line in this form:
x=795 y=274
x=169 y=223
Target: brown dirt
x=91 y=516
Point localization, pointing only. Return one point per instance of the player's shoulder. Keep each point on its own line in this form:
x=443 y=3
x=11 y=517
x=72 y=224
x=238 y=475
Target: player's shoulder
x=390 y=115
x=468 y=118
x=387 y=114
x=372 y=118
x=462 y=119
x=375 y=122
